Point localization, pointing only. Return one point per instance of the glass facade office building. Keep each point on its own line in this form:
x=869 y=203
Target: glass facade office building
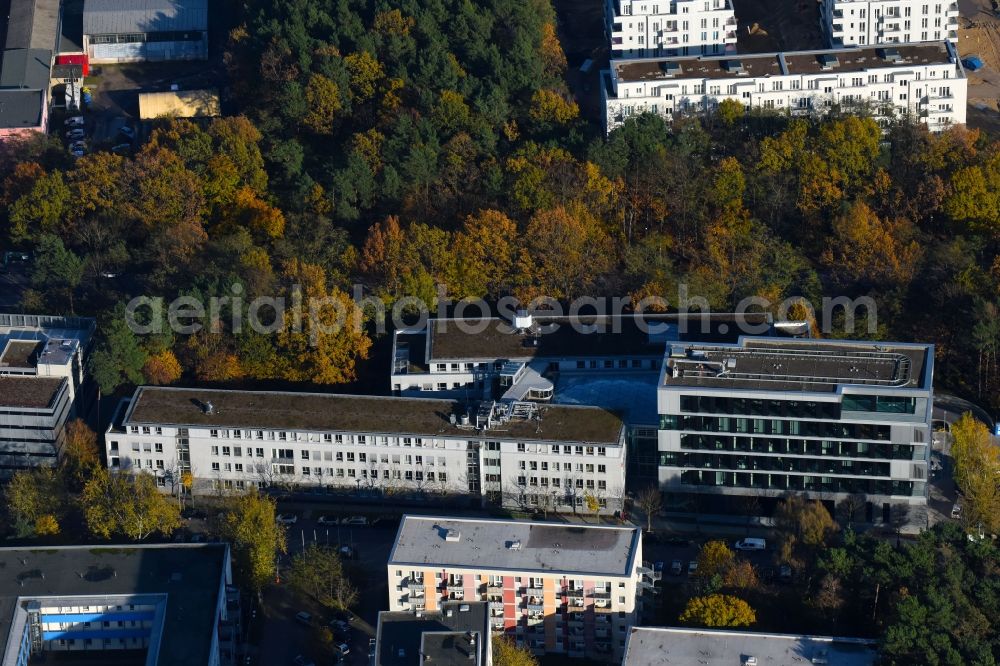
x=767 y=417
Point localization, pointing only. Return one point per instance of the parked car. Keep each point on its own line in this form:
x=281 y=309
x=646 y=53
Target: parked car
x=121 y=148
x=74 y=121
x=77 y=151
x=677 y=567
x=303 y=617
x=658 y=566
x=127 y=131
x=956 y=511
x=750 y=543
x=972 y=63
x=327 y=520
x=302 y=661
x=287 y=518
x=342 y=649
x=354 y=520
x=75 y=133
x=339 y=625
x=692 y=567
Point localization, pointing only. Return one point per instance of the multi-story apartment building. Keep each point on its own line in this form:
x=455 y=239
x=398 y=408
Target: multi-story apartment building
x=555 y=588
x=867 y=22
x=512 y=452
x=42 y=362
x=641 y=28
x=765 y=417
x=458 y=632
x=171 y=604
x=925 y=82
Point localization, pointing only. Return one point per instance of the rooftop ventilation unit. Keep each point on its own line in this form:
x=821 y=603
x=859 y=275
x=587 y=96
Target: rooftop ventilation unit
x=514 y=545
x=464 y=608
x=522 y=320
x=891 y=55
x=452 y=536
x=209 y=407
x=671 y=68
x=828 y=60
x=733 y=66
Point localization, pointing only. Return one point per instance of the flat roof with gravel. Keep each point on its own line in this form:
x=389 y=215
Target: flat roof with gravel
x=510 y=545
x=272 y=410
x=29 y=391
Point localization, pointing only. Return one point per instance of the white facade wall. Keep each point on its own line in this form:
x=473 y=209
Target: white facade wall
x=229 y=459
x=861 y=22
x=651 y=28
x=934 y=94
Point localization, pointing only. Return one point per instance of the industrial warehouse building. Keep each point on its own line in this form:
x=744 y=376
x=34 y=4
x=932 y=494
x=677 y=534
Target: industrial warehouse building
x=117 y=31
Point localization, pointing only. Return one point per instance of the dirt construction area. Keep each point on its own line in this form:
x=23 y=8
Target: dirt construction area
x=979 y=35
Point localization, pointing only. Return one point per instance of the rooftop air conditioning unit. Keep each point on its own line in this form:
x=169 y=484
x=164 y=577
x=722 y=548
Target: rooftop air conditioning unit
x=452 y=535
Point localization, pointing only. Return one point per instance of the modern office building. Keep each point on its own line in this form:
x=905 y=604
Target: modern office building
x=516 y=453
x=157 y=605
x=641 y=28
x=456 y=634
x=866 y=22
x=669 y=646
x=765 y=417
x=42 y=386
x=554 y=588
x=924 y=82
x=116 y=31
x=517 y=357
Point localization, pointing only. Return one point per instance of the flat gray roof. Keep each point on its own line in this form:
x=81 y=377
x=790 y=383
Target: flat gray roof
x=558 y=337
x=440 y=635
x=799 y=365
x=115 y=17
x=32 y=24
x=850 y=59
x=667 y=646
x=271 y=410
x=96 y=571
x=485 y=544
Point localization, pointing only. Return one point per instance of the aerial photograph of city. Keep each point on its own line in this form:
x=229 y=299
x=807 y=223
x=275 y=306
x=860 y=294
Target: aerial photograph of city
x=500 y=332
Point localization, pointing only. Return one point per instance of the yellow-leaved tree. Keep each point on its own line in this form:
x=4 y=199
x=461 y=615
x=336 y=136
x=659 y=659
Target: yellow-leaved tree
x=977 y=470
x=718 y=610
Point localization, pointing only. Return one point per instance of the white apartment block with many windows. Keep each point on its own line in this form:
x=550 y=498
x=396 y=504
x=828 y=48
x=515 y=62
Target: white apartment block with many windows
x=554 y=588
x=653 y=28
x=925 y=82
x=867 y=22
x=519 y=454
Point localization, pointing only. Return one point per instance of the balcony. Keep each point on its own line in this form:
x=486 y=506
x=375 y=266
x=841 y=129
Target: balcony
x=599 y=593
x=533 y=591
x=497 y=623
x=603 y=609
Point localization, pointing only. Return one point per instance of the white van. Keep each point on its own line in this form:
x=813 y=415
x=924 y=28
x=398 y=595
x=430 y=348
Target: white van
x=750 y=544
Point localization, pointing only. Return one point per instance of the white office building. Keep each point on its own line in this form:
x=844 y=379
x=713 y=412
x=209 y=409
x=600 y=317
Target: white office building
x=513 y=453
x=654 y=28
x=554 y=588
x=828 y=419
x=925 y=82
x=867 y=22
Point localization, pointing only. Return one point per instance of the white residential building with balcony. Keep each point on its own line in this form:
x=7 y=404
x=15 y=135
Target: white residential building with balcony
x=517 y=453
x=554 y=588
x=925 y=82
x=655 y=28
x=867 y=22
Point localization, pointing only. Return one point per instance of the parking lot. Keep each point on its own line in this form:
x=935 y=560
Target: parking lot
x=284 y=638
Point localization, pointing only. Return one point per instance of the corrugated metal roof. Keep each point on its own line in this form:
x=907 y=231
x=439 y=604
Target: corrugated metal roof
x=25 y=69
x=185 y=104
x=115 y=17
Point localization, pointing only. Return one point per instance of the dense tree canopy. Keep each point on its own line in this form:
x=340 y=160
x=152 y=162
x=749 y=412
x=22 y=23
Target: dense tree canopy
x=404 y=145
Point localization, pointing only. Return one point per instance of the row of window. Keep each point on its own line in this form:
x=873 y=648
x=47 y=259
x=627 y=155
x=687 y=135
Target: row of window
x=140 y=37
x=774 y=464
x=800 y=447
x=782 y=482
x=555 y=482
x=533 y=465
x=867 y=431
